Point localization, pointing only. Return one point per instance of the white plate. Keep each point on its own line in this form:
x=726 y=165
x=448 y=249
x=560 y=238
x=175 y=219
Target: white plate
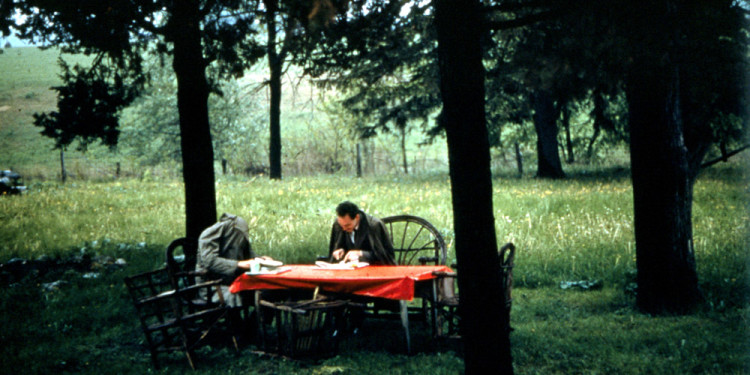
x=270 y=262
x=269 y=272
x=340 y=266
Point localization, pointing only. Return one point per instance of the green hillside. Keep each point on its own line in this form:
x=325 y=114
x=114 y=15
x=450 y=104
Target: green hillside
x=28 y=74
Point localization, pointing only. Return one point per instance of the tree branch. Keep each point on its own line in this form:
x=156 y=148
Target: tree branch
x=724 y=157
x=520 y=5
x=524 y=21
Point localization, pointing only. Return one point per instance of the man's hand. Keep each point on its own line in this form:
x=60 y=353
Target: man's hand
x=244 y=264
x=353 y=256
x=338 y=254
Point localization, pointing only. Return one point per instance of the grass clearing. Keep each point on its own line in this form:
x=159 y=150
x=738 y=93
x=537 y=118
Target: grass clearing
x=576 y=229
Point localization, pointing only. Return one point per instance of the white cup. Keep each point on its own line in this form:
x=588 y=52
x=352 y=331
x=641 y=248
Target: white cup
x=254 y=266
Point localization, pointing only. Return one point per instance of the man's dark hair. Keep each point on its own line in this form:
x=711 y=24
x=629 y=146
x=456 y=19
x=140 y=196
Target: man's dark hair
x=347 y=208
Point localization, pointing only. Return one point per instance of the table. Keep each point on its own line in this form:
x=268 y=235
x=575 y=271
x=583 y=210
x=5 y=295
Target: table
x=390 y=282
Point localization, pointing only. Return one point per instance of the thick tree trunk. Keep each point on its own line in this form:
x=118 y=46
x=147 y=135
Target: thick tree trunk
x=545 y=124
x=274 y=63
x=484 y=320
x=195 y=134
x=662 y=193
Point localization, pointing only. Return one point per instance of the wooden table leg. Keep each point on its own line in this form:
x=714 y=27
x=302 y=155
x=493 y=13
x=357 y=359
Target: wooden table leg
x=259 y=319
x=405 y=324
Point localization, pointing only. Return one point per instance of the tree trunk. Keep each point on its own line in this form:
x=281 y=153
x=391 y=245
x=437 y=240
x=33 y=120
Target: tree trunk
x=662 y=191
x=600 y=120
x=274 y=64
x=484 y=320
x=402 y=130
x=545 y=124
x=519 y=159
x=359 y=160
x=570 y=159
x=195 y=134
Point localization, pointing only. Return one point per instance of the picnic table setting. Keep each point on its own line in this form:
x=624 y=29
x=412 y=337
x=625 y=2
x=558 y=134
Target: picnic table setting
x=308 y=326
x=302 y=311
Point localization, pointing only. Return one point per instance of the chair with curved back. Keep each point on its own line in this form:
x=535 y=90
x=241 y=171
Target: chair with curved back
x=169 y=318
x=183 y=274
x=174 y=311
x=415 y=240
x=447 y=324
x=180 y=268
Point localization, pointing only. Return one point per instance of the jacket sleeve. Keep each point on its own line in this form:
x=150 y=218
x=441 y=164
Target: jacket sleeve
x=333 y=244
x=383 y=251
x=210 y=256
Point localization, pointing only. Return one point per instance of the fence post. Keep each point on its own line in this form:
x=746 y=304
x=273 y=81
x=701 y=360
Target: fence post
x=63 y=173
x=359 y=161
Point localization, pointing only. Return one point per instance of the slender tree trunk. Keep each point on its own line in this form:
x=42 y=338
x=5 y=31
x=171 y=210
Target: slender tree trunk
x=570 y=159
x=403 y=149
x=195 y=134
x=519 y=158
x=600 y=120
x=662 y=182
x=275 y=65
x=545 y=124
x=359 y=160
x=484 y=320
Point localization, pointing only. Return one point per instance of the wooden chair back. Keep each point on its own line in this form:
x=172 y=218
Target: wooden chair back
x=415 y=240
x=168 y=318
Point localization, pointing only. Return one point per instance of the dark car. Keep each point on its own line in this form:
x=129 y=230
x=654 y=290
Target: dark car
x=10 y=183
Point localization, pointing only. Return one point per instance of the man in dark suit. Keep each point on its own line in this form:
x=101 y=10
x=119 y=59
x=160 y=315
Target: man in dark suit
x=357 y=236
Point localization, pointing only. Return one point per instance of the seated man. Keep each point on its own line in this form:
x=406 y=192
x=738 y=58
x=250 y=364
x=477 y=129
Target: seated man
x=356 y=236
x=224 y=251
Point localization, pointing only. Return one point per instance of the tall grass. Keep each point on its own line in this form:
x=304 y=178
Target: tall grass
x=574 y=229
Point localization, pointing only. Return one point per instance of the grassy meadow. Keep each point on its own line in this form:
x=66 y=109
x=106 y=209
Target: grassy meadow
x=570 y=230
x=577 y=229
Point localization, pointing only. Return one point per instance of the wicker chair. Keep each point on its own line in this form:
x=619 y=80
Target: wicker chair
x=301 y=328
x=169 y=318
x=447 y=324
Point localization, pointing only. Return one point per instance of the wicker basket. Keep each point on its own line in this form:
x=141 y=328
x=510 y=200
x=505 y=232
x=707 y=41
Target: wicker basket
x=306 y=329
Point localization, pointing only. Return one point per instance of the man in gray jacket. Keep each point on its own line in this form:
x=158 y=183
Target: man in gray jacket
x=356 y=236
x=224 y=252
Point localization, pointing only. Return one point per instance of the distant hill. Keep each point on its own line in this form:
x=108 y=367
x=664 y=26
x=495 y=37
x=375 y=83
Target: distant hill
x=28 y=74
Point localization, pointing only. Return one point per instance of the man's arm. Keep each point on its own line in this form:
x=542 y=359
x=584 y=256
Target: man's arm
x=210 y=253
x=382 y=246
x=333 y=244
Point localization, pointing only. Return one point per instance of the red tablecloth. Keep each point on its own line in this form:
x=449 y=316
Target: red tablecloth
x=392 y=282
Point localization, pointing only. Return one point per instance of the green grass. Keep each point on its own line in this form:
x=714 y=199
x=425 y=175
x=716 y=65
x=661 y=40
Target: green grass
x=575 y=229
